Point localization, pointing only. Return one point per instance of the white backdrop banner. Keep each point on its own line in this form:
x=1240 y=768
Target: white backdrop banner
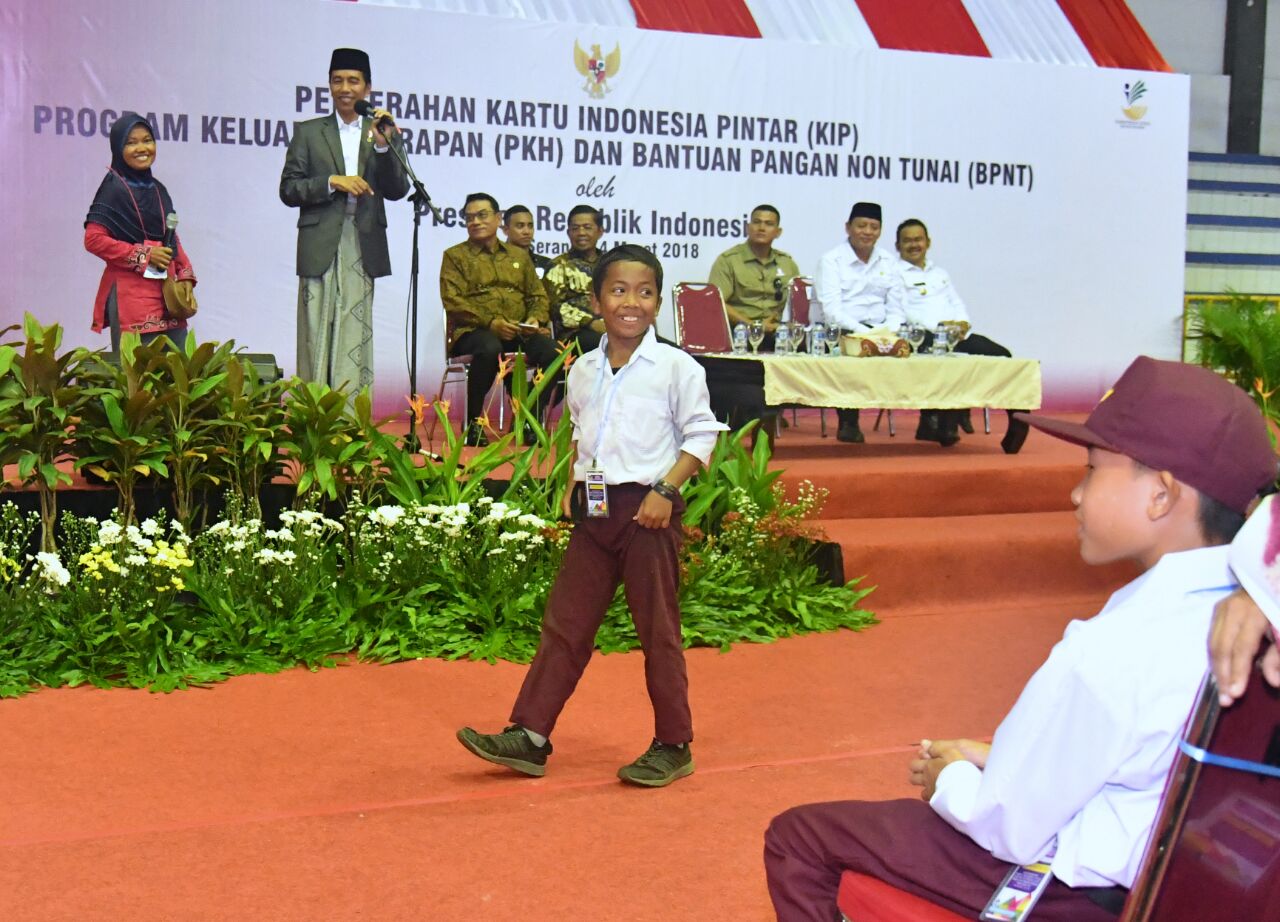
x=1055 y=195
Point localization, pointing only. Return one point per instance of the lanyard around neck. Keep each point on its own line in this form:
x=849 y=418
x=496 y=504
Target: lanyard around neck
x=608 y=402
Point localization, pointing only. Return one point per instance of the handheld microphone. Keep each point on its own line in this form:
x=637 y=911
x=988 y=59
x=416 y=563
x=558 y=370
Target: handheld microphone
x=363 y=108
x=171 y=230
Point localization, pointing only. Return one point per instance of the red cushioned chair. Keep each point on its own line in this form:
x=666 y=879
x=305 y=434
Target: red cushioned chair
x=1214 y=855
x=799 y=301
x=868 y=899
x=1215 y=852
x=702 y=325
x=457 y=370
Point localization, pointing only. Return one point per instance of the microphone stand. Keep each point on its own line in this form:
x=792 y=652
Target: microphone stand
x=422 y=203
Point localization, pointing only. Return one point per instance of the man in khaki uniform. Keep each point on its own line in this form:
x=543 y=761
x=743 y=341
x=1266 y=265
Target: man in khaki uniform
x=495 y=303
x=753 y=277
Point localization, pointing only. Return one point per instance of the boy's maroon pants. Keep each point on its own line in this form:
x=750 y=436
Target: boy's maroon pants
x=903 y=843
x=601 y=553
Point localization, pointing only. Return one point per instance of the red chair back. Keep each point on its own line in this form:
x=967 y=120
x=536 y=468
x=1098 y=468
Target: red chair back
x=1215 y=849
x=800 y=297
x=701 y=322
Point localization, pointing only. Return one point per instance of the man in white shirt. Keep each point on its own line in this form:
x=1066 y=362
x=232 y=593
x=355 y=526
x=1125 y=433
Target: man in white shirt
x=930 y=299
x=1074 y=774
x=858 y=287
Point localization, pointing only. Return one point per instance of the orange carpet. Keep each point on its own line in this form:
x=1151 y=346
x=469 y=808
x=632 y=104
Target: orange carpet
x=342 y=794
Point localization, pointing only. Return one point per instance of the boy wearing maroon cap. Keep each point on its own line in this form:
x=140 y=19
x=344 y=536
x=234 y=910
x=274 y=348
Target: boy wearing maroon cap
x=1074 y=774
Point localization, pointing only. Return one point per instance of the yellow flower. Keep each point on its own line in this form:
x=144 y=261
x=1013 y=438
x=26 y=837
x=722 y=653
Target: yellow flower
x=418 y=406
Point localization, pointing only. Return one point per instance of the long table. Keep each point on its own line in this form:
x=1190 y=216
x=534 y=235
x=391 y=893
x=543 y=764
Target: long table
x=953 y=382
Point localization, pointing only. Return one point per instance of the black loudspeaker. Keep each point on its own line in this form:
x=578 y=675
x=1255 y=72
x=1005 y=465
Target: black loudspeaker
x=264 y=362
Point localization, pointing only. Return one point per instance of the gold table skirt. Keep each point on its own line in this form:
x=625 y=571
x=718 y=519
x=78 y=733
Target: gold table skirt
x=953 y=382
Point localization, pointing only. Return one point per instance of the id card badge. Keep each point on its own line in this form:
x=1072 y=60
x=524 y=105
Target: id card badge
x=597 y=494
x=1022 y=886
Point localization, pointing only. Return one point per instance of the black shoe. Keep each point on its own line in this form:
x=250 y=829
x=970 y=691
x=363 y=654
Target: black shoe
x=966 y=421
x=475 y=437
x=660 y=765
x=850 y=434
x=511 y=748
x=927 y=428
x=937 y=426
x=1015 y=436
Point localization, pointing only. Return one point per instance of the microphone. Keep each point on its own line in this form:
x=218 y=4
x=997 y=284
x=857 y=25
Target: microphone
x=171 y=230
x=363 y=108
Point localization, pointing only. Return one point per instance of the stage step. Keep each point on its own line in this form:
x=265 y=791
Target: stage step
x=954 y=562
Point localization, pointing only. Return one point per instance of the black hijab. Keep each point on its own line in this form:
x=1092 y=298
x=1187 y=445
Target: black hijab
x=124 y=187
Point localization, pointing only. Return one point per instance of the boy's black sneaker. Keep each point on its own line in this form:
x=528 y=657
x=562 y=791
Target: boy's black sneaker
x=660 y=765
x=511 y=748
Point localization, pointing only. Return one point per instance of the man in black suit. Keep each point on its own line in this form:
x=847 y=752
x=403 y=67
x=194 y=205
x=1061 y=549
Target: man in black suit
x=337 y=172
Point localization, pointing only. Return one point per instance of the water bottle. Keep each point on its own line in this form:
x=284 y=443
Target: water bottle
x=818 y=340
x=941 y=340
x=782 y=339
x=740 y=339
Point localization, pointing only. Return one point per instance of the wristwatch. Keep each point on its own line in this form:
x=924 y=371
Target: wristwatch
x=667 y=490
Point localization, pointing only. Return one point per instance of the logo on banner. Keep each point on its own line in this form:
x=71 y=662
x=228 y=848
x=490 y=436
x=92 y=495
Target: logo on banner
x=1132 y=111
x=597 y=68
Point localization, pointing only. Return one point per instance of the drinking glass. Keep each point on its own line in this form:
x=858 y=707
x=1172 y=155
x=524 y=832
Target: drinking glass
x=755 y=335
x=917 y=337
x=833 y=338
x=799 y=336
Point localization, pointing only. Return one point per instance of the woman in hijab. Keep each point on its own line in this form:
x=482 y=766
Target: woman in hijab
x=126 y=228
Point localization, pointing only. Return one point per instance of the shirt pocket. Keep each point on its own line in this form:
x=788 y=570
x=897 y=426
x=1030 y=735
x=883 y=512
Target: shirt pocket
x=642 y=425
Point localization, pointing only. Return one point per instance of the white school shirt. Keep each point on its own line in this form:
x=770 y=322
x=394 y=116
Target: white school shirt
x=859 y=294
x=929 y=296
x=1084 y=752
x=661 y=407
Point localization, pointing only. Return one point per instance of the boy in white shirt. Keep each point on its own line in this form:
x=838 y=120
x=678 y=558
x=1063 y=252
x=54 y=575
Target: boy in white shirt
x=1176 y=456
x=642 y=426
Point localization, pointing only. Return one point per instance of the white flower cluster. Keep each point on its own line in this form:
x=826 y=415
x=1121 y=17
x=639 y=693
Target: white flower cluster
x=238 y=536
x=140 y=546
x=269 y=556
x=309 y=522
x=429 y=525
x=49 y=568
